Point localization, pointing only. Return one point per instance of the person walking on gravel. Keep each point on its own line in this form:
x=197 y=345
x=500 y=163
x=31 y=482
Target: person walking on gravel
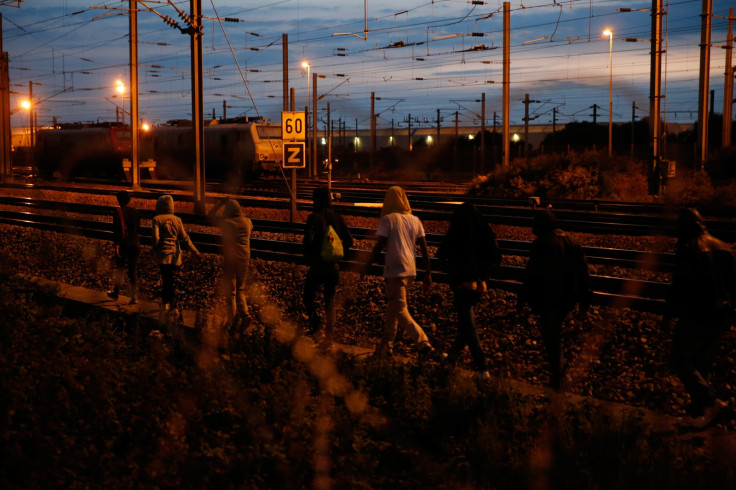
x=168 y=236
x=556 y=279
x=702 y=297
x=470 y=252
x=125 y=224
x=399 y=232
x=235 y=229
x=323 y=266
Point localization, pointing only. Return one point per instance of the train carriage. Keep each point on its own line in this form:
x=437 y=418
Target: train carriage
x=232 y=151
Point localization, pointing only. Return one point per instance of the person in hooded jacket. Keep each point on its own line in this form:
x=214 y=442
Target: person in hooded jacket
x=236 y=230
x=125 y=225
x=399 y=232
x=702 y=297
x=556 y=279
x=168 y=236
x=470 y=252
x=321 y=272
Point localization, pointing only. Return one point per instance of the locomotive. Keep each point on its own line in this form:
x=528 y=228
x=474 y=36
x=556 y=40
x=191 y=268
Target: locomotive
x=233 y=150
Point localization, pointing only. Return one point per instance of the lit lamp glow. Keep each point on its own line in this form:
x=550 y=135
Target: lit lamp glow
x=120 y=88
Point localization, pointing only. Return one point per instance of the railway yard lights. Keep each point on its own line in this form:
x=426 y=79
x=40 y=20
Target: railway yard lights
x=27 y=105
x=609 y=33
x=120 y=88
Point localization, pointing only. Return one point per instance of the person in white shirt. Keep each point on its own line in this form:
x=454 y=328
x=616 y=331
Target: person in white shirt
x=399 y=232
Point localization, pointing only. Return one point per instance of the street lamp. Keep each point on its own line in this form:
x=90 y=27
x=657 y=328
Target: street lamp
x=28 y=106
x=120 y=87
x=609 y=33
x=305 y=64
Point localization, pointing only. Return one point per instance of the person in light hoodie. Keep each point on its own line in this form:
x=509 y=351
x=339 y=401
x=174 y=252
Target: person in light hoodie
x=168 y=236
x=236 y=230
x=399 y=232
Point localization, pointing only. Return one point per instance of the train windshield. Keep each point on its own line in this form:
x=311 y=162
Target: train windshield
x=269 y=132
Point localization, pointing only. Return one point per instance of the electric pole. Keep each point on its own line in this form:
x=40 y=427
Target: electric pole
x=705 y=28
x=6 y=165
x=314 y=125
x=195 y=31
x=655 y=98
x=373 y=129
x=506 y=81
x=482 y=132
x=728 y=85
x=134 y=136
x=526 y=124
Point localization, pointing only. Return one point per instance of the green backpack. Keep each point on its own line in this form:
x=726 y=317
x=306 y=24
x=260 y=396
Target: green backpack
x=331 y=246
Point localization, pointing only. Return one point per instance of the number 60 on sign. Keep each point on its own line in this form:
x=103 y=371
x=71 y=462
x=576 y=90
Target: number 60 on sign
x=292 y=126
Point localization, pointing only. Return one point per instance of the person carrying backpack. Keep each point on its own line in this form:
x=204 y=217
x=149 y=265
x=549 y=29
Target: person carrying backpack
x=326 y=240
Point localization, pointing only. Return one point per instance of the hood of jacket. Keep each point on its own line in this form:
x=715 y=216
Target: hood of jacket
x=690 y=224
x=395 y=201
x=165 y=205
x=321 y=198
x=544 y=222
x=232 y=209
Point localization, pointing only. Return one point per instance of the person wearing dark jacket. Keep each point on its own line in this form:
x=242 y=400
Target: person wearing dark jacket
x=236 y=229
x=125 y=224
x=702 y=297
x=322 y=272
x=470 y=252
x=556 y=279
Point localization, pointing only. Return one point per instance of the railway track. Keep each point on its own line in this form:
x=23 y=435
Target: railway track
x=608 y=290
x=596 y=217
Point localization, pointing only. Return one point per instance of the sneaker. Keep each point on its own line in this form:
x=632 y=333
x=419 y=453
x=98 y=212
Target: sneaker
x=383 y=352
x=426 y=351
x=484 y=376
x=133 y=301
x=112 y=294
x=710 y=414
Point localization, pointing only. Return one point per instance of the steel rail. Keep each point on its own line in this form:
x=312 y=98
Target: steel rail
x=609 y=291
x=439 y=208
x=630 y=259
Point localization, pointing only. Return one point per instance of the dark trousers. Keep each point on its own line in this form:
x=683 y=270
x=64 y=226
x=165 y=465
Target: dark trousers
x=465 y=301
x=327 y=276
x=694 y=349
x=550 y=323
x=168 y=284
x=126 y=262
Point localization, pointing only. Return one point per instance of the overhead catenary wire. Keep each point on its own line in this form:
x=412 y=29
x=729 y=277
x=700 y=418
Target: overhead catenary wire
x=365 y=67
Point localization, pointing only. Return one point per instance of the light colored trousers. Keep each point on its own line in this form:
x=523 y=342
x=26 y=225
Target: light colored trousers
x=397 y=313
x=233 y=288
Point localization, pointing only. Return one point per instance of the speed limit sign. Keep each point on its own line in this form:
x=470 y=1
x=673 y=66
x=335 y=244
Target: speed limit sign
x=292 y=126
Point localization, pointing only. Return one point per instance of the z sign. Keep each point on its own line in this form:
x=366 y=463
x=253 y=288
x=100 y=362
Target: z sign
x=292 y=126
x=293 y=155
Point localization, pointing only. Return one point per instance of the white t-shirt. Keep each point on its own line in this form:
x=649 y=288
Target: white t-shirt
x=401 y=232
